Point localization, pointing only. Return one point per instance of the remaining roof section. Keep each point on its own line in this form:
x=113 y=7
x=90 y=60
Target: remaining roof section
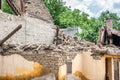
x=33 y=8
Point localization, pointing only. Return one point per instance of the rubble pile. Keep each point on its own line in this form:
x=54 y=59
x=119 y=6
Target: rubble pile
x=62 y=43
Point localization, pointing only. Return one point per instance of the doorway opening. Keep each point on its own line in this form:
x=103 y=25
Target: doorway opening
x=108 y=67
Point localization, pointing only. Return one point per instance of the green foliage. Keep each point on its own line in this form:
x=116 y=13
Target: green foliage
x=65 y=17
x=6 y=8
x=115 y=18
x=62 y=15
x=91 y=26
x=55 y=8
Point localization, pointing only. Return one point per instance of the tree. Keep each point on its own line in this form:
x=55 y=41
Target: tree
x=65 y=17
x=114 y=16
x=55 y=7
x=6 y=8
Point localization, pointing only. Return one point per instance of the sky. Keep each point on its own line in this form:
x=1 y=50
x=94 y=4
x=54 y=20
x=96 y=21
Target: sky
x=94 y=7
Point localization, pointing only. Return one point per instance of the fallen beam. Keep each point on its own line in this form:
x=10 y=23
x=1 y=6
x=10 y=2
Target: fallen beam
x=10 y=34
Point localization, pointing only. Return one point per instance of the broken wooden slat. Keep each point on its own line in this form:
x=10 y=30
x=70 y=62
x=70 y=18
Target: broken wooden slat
x=17 y=6
x=10 y=34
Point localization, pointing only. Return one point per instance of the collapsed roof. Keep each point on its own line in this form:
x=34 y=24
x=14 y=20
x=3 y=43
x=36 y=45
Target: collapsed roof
x=108 y=35
x=109 y=40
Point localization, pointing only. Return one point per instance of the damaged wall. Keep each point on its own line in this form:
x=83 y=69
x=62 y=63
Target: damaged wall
x=15 y=67
x=91 y=68
x=50 y=56
x=37 y=23
x=84 y=66
x=34 y=31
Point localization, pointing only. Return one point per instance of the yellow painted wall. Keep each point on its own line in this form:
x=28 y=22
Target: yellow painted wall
x=15 y=67
x=86 y=67
x=62 y=72
x=93 y=69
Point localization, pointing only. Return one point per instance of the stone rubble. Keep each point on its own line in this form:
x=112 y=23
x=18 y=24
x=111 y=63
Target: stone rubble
x=63 y=43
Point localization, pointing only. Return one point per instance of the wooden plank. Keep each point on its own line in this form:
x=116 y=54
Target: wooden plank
x=0 y=4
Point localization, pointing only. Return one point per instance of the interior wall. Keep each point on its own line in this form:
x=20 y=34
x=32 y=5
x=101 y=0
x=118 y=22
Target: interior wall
x=90 y=68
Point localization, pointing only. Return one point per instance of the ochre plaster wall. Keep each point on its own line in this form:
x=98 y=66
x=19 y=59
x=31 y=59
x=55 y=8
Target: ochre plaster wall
x=85 y=67
x=15 y=67
x=91 y=68
x=62 y=72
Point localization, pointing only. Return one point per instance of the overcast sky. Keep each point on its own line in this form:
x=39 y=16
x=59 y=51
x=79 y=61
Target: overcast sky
x=95 y=7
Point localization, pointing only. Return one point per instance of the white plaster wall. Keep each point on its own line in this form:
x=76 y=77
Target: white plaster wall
x=34 y=31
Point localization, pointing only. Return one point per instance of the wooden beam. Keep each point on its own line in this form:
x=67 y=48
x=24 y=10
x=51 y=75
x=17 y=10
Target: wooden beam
x=10 y=34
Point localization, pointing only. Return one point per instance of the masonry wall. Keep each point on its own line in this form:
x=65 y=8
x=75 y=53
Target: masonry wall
x=50 y=60
x=34 y=31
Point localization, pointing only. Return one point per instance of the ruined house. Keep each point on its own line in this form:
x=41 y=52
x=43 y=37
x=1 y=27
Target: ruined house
x=97 y=62
x=29 y=13
x=32 y=54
